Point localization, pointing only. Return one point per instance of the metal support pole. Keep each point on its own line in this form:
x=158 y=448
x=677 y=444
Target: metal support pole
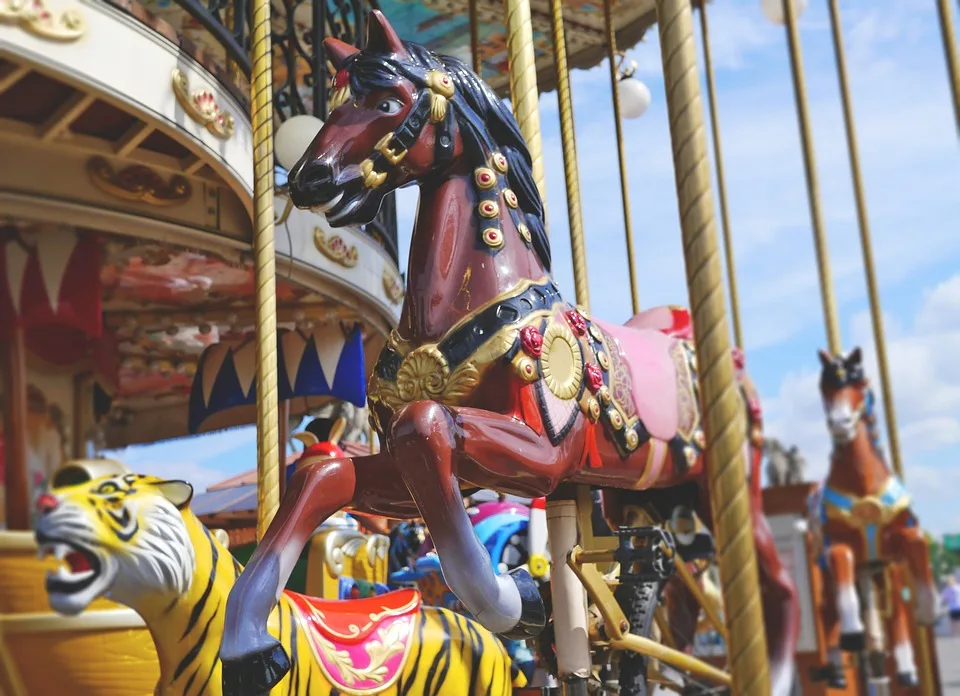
x=827 y=296
x=950 y=49
x=570 y=168
x=475 y=39
x=523 y=84
x=722 y=411
x=268 y=446
x=866 y=245
x=17 y=487
x=618 y=121
x=721 y=180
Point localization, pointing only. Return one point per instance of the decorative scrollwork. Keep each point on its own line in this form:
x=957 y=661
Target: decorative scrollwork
x=392 y=286
x=34 y=17
x=138 y=183
x=335 y=248
x=389 y=642
x=201 y=105
x=338 y=546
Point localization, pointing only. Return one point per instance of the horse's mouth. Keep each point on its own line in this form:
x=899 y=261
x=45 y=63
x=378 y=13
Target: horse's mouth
x=349 y=205
x=324 y=207
x=79 y=566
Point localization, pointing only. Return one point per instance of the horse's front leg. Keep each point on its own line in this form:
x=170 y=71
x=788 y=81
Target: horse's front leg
x=843 y=569
x=910 y=544
x=429 y=442
x=900 y=628
x=253 y=660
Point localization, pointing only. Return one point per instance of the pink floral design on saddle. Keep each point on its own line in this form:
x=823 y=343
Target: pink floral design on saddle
x=363 y=644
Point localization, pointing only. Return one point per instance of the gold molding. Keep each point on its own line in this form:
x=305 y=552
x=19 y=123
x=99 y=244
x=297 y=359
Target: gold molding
x=561 y=362
x=392 y=286
x=32 y=16
x=139 y=184
x=335 y=248
x=48 y=622
x=201 y=105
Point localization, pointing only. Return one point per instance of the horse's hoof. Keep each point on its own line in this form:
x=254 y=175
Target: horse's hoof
x=256 y=674
x=907 y=679
x=853 y=642
x=836 y=679
x=533 y=616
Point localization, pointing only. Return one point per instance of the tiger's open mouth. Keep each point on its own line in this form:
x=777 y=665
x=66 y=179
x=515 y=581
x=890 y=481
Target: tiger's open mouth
x=79 y=566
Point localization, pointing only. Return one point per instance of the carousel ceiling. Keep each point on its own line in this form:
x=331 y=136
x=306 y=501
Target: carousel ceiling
x=443 y=26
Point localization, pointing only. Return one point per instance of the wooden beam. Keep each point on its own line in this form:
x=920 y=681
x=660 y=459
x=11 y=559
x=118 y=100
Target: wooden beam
x=12 y=77
x=191 y=164
x=131 y=140
x=68 y=112
x=17 y=481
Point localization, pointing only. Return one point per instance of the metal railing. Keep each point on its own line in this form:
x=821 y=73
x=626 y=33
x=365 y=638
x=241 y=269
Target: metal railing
x=299 y=28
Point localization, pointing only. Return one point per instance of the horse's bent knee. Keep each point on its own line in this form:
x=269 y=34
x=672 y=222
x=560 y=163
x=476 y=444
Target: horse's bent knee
x=423 y=420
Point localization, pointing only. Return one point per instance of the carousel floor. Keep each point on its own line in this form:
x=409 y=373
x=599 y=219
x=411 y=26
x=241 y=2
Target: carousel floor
x=948 y=650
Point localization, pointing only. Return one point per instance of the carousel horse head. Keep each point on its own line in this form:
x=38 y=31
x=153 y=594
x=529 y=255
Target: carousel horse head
x=845 y=393
x=401 y=114
x=120 y=536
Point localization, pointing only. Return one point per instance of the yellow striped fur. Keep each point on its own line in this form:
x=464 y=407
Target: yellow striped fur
x=143 y=527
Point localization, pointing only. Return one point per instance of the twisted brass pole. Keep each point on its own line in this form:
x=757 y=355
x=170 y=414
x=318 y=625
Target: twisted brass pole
x=570 y=170
x=866 y=245
x=827 y=296
x=721 y=180
x=722 y=407
x=618 y=121
x=523 y=84
x=950 y=49
x=268 y=445
x=475 y=39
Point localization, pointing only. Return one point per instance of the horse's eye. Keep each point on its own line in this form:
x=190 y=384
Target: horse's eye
x=389 y=106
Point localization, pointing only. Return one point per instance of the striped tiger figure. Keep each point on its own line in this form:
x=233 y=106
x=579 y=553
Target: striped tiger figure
x=133 y=539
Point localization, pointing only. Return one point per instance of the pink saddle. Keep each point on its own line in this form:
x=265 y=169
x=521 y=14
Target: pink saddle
x=644 y=365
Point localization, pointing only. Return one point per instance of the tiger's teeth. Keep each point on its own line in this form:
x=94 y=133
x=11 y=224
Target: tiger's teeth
x=60 y=551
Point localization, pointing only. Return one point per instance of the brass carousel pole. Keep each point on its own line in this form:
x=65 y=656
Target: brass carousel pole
x=570 y=169
x=736 y=556
x=950 y=49
x=523 y=84
x=827 y=296
x=876 y=313
x=618 y=121
x=268 y=445
x=721 y=180
x=475 y=39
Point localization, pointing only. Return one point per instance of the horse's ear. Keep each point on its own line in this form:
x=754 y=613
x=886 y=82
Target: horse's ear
x=381 y=38
x=338 y=51
x=825 y=358
x=856 y=356
x=180 y=493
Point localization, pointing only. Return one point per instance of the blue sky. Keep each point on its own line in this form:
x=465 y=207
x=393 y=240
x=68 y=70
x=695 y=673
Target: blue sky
x=909 y=151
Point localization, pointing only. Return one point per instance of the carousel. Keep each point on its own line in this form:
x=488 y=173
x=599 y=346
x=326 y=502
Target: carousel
x=159 y=286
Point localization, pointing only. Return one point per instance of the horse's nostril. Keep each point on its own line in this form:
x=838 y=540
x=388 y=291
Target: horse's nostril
x=313 y=175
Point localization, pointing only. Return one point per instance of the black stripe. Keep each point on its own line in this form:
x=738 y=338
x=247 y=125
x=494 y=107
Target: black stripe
x=416 y=662
x=443 y=651
x=199 y=606
x=206 y=682
x=476 y=653
x=195 y=650
x=441 y=680
x=189 y=683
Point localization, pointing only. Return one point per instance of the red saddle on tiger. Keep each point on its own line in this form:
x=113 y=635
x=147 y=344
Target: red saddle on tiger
x=361 y=644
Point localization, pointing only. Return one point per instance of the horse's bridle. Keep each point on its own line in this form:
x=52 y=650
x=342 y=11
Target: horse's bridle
x=431 y=106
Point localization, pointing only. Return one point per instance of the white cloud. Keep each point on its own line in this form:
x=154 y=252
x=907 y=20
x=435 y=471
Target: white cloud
x=925 y=380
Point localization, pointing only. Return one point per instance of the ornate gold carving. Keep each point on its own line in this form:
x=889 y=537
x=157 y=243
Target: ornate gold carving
x=499 y=162
x=425 y=376
x=371 y=178
x=388 y=643
x=603 y=360
x=201 y=105
x=441 y=91
x=596 y=334
x=604 y=395
x=525 y=367
x=485 y=178
x=632 y=440
x=34 y=17
x=616 y=420
x=488 y=209
x=383 y=147
x=392 y=286
x=593 y=409
x=138 y=183
x=561 y=361
x=524 y=232
x=510 y=198
x=493 y=237
x=335 y=249
x=340 y=96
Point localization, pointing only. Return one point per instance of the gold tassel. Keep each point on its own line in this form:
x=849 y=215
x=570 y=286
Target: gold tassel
x=441 y=90
x=340 y=96
x=438 y=107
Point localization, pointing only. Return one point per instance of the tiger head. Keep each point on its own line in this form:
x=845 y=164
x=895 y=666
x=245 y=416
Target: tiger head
x=123 y=537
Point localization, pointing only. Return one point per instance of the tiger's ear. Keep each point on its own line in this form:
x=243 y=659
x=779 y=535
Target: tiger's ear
x=856 y=356
x=825 y=358
x=180 y=493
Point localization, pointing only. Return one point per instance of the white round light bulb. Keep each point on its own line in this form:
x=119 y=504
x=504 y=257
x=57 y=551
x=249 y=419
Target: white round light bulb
x=293 y=137
x=635 y=97
x=773 y=9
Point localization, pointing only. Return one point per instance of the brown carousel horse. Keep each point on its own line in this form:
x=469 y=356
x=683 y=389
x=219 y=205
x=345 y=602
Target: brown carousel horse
x=491 y=380
x=863 y=519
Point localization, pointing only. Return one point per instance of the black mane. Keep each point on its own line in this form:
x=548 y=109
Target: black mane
x=486 y=123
